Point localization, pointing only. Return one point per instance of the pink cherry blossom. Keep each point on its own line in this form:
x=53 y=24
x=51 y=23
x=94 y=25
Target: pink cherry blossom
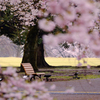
x=46 y=25
x=10 y=71
x=50 y=39
x=59 y=20
x=2 y=98
x=79 y=19
x=52 y=87
x=88 y=66
x=12 y=85
x=79 y=64
x=54 y=7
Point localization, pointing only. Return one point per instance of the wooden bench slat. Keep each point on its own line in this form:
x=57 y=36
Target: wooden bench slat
x=29 y=69
x=28 y=66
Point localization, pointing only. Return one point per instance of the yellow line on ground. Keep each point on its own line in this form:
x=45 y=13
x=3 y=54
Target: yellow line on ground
x=72 y=92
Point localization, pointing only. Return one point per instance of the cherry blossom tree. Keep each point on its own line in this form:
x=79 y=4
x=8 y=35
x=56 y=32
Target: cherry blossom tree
x=78 y=20
x=81 y=22
x=66 y=50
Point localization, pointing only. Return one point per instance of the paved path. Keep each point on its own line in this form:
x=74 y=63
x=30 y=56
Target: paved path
x=84 y=89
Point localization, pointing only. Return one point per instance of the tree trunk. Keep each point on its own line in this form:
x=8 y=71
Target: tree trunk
x=30 y=49
x=33 y=50
x=40 y=56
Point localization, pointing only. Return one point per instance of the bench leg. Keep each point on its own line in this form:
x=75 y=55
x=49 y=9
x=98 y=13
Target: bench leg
x=39 y=76
x=33 y=76
x=47 y=78
x=76 y=77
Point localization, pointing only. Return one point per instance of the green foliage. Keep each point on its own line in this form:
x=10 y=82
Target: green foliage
x=40 y=40
x=89 y=76
x=10 y=26
x=58 y=30
x=20 y=37
x=7 y=22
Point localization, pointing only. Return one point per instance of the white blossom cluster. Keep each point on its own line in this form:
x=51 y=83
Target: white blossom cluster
x=73 y=50
x=26 y=10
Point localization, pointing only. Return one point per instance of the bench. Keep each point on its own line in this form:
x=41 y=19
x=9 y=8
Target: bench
x=29 y=71
x=47 y=77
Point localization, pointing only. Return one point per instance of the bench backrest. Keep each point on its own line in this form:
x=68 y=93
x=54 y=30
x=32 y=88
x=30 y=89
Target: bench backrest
x=28 y=68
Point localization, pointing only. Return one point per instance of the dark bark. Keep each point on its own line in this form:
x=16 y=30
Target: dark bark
x=40 y=56
x=33 y=50
x=30 y=49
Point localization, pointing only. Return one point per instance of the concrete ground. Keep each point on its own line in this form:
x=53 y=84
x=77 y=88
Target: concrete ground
x=84 y=89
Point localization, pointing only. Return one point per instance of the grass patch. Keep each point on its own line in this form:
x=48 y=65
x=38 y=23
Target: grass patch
x=63 y=66
x=89 y=76
x=61 y=77
x=58 y=72
x=71 y=77
x=68 y=74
